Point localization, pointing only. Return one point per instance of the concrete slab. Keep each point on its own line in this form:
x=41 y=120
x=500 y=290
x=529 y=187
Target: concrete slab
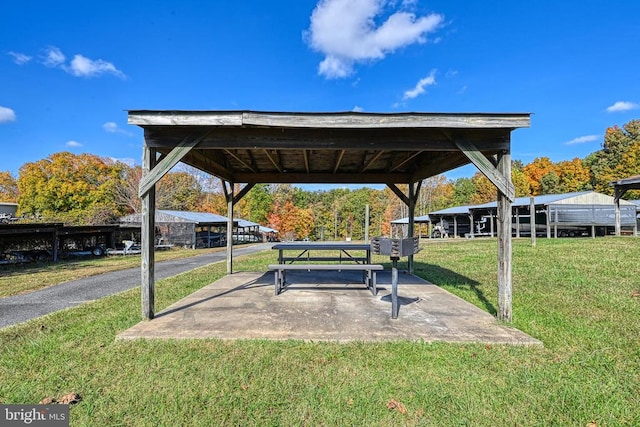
x=325 y=306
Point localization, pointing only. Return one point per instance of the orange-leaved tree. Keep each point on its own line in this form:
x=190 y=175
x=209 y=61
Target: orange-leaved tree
x=8 y=187
x=72 y=188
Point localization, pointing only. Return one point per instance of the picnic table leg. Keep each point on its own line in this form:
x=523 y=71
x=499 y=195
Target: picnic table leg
x=277 y=281
x=374 y=285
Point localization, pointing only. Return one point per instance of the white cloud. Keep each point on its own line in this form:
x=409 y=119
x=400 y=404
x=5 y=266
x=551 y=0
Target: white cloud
x=582 y=139
x=19 y=58
x=7 y=115
x=81 y=66
x=73 y=144
x=113 y=127
x=346 y=33
x=110 y=127
x=622 y=106
x=53 y=57
x=419 y=89
x=357 y=109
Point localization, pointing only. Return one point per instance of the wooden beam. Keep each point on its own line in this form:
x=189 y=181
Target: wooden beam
x=321 y=178
x=338 y=160
x=211 y=164
x=372 y=160
x=320 y=139
x=147 y=285
x=228 y=195
x=414 y=194
x=148 y=180
x=306 y=160
x=273 y=161
x=403 y=162
x=504 y=244
x=398 y=193
x=503 y=183
x=239 y=160
x=243 y=192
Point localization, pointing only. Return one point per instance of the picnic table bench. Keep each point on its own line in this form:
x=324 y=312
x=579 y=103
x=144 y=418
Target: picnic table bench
x=345 y=261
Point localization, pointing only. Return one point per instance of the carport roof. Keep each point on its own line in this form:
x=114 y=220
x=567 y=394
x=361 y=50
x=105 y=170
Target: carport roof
x=342 y=147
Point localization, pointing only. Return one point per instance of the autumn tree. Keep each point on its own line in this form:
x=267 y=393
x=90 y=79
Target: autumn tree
x=290 y=221
x=436 y=193
x=463 y=191
x=616 y=158
x=178 y=191
x=8 y=187
x=70 y=188
x=485 y=190
x=573 y=175
x=535 y=171
x=258 y=204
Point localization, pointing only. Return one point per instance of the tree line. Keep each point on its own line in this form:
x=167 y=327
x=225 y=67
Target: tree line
x=87 y=189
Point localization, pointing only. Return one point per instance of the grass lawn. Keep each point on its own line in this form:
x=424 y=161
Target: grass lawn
x=579 y=296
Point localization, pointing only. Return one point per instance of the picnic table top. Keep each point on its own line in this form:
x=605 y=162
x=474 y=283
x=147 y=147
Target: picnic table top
x=322 y=246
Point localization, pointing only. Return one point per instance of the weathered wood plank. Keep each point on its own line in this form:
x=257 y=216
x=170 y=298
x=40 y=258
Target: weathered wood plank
x=392 y=120
x=329 y=120
x=502 y=182
x=185 y=118
x=147 y=285
x=398 y=192
x=169 y=161
x=504 y=244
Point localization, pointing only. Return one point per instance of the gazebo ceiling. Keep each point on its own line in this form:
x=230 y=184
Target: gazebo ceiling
x=279 y=147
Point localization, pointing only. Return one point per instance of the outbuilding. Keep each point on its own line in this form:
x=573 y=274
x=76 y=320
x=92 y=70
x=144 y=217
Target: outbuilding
x=188 y=229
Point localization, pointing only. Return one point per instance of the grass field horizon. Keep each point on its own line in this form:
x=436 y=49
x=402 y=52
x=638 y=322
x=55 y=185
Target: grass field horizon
x=579 y=296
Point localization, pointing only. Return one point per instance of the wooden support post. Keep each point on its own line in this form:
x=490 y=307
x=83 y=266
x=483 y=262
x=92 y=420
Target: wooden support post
x=504 y=242
x=517 y=223
x=532 y=220
x=548 y=215
x=616 y=200
x=55 y=244
x=366 y=223
x=228 y=194
x=147 y=287
x=414 y=192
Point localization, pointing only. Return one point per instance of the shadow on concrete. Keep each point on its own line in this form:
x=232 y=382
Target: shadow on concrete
x=441 y=276
x=265 y=280
x=401 y=300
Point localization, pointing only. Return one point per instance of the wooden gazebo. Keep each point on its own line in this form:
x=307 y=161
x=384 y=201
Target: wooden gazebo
x=250 y=147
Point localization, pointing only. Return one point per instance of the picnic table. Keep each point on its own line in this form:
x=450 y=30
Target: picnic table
x=324 y=256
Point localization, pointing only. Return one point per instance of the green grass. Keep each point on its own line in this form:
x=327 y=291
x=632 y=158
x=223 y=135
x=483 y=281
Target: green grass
x=576 y=295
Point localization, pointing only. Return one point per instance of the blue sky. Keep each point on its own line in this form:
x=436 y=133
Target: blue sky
x=69 y=70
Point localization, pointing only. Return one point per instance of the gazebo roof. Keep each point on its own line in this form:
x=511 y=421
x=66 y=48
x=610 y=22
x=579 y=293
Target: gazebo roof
x=344 y=147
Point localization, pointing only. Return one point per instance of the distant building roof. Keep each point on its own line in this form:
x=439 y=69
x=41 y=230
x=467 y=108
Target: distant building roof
x=577 y=197
x=180 y=216
x=423 y=218
x=456 y=210
x=245 y=223
x=198 y=217
x=267 y=230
